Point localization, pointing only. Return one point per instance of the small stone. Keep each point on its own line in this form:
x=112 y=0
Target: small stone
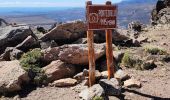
x=132 y=83
x=111 y=86
x=104 y=74
x=118 y=55
x=121 y=75
x=65 y=82
x=90 y=93
x=149 y=65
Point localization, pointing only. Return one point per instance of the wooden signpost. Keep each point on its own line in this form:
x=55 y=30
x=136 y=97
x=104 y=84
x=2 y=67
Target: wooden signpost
x=100 y=17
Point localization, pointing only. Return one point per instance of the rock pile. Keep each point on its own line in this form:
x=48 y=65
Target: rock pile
x=161 y=14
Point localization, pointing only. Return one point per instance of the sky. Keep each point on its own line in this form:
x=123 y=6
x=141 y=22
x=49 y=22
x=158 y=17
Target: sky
x=49 y=3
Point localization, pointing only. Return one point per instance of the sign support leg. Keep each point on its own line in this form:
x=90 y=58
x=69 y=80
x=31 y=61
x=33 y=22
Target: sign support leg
x=91 y=57
x=109 y=53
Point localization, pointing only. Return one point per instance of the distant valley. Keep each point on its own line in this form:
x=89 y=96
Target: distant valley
x=128 y=11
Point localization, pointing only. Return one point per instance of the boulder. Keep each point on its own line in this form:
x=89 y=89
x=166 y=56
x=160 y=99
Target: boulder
x=150 y=64
x=164 y=16
x=111 y=86
x=121 y=75
x=11 y=53
x=81 y=41
x=12 y=36
x=74 y=53
x=132 y=83
x=3 y=23
x=12 y=76
x=64 y=82
x=90 y=93
x=135 y=26
x=66 y=32
x=118 y=55
x=58 y=70
x=29 y=43
x=47 y=44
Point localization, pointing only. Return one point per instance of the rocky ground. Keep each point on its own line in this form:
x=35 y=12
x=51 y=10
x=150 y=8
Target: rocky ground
x=39 y=64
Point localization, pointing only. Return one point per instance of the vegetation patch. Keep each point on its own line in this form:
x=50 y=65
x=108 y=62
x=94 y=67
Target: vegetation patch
x=98 y=98
x=155 y=50
x=130 y=61
x=32 y=63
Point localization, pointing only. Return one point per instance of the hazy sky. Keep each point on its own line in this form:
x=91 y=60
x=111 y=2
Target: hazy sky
x=48 y=3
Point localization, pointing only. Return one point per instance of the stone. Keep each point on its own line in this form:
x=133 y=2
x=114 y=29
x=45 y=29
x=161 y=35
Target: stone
x=12 y=36
x=64 y=82
x=118 y=55
x=73 y=53
x=132 y=83
x=135 y=26
x=57 y=70
x=29 y=43
x=164 y=16
x=48 y=44
x=142 y=39
x=121 y=75
x=90 y=93
x=66 y=32
x=81 y=41
x=149 y=65
x=136 y=43
x=104 y=74
x=12 y=76
x=82 y=75
x=11 y=53
x=3 y=23
x=111 y=87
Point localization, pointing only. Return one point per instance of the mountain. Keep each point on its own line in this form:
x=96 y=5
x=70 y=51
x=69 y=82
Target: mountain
x=138 y=1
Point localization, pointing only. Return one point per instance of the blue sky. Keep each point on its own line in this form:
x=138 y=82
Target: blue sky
x=48 y=3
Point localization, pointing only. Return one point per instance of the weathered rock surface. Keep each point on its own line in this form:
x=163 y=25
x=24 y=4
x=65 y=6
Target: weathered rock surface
x=132 y=83
x=12 y=76
x=121 y=75
x=83 y=75
x=135 y=26
x=118 y=55
x=66 y=32
x=58 y=70
x=90 y=93
x=111 y=86
x=11 y=53
x=3 y=23
x=74 y=53
x=64 y=82
x=29 y=43
x=12 y=36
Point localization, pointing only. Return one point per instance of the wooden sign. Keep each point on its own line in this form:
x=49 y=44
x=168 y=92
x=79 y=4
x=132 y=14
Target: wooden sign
x=101 y=17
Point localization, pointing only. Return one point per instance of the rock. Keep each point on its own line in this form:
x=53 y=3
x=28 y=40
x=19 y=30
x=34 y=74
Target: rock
x=3 y=23
x=111 y=86
x=47 y=44
x=132 y=83
x=29 y=43
x=82 y=75
x=58 y=70
x=149 y=65
x=113 y=98
x=12 y=76
x=118 y=55
x=121 y=75
x=164 y=16
x=136 y=43
x=74 y=53
x=90 y=93
x=12 y=36
x=135 y=26
x=142 y=39
x=66 y=33
x=65 y=82
x=41 y=29
x=81 y=41
x=104 y=74
x=11 y=53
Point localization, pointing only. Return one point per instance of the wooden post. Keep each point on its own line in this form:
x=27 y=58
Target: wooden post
x=109 y=51
x=91 y=54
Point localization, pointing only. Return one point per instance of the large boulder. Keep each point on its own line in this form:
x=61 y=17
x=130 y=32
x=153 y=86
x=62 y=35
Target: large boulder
x=164 y=16
x=29 y=43
x=65 y=82
x=74 y=53
x=58 y=70
x=12 y=36
x=66 y=32
x=12 y=76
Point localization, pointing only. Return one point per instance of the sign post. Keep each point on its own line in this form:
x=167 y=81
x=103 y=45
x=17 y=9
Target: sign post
x=100 y=17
